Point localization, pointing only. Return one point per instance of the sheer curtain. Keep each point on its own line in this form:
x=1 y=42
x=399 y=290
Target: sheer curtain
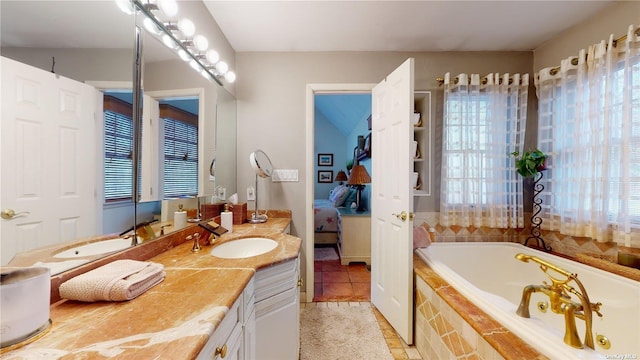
x=589 y=125
x=484 y=122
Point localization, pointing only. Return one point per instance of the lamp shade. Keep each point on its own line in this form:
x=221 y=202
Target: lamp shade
x=359 y=176
x=341 y=176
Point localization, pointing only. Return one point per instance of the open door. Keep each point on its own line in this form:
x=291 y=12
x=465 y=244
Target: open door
x=48 y=158
x=392 y=200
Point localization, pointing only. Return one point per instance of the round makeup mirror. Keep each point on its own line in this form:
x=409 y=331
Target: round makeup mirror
x=261 y=164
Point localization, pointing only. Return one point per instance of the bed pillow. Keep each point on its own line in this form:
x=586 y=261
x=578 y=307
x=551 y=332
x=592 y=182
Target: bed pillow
x=338 y=195
x=351 y=197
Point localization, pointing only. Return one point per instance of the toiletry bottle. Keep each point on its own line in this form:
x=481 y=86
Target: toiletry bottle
x=179 y=218
x=226 y=218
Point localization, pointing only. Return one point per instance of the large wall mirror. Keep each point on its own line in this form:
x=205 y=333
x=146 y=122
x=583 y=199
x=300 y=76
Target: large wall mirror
x=91 y=42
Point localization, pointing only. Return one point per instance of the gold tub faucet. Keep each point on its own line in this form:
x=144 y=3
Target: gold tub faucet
x=559 y=296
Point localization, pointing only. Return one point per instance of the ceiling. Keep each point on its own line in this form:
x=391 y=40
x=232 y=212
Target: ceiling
x=477 y=25
x=298 y=25
x=344 y=111
x=452 y=25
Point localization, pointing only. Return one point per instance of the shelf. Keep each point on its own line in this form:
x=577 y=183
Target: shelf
x=422 y=134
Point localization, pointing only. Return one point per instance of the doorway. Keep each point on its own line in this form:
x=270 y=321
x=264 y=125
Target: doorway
x=311 y=171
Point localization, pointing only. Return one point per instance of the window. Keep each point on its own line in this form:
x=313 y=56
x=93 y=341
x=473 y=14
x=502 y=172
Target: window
x=484 y=122
x=180 y=152
x=589 y=125
x=468 y=124
x=118 y=145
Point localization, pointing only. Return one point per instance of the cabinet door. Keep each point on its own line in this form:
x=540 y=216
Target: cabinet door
x=278 y=326
x=250 y=336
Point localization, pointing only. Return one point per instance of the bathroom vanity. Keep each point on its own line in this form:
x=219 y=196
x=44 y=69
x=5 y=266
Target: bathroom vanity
x=206 y=306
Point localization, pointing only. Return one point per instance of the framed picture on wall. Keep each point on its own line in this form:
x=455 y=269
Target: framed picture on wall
x=325 y=176
x=325 y=159
x=367 y=145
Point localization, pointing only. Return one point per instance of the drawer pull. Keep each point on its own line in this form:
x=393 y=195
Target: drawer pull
x=222 y=351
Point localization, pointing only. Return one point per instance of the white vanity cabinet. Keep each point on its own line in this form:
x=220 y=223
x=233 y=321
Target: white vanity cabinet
x=232 y=339
x=278 y=311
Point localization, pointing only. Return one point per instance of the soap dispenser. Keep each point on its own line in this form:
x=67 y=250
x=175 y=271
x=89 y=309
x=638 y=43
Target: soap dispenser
x=226 y=218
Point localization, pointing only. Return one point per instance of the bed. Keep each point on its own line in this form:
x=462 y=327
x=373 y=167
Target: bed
x=325 y=214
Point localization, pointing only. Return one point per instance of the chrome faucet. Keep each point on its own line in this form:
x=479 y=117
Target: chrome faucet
x=559 y=295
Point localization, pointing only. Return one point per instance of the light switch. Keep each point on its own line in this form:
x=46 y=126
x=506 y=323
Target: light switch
x=284 y=175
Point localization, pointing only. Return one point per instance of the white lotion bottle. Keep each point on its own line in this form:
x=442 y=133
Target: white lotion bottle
x=179 y=218
x=226 y=218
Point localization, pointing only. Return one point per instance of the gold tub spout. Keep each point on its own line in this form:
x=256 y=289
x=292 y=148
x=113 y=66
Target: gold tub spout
x=559 y=295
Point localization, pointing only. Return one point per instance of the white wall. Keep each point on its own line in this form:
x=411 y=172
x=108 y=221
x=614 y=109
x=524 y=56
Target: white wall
x=271 y=94
x=613 y=20
x=328 y=140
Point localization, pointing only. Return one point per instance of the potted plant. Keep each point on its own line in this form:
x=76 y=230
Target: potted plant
x=349 y=165
x=530 y=162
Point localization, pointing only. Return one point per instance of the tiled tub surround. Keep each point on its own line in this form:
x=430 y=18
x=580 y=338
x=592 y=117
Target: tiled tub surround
x=173 y=319
x=562 y=244
x=473 y=276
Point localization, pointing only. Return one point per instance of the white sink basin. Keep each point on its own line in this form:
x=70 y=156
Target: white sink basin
x=244 y=248
x=94 y=248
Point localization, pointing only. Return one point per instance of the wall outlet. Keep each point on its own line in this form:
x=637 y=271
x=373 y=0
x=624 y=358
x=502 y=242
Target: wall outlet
x=251 y=194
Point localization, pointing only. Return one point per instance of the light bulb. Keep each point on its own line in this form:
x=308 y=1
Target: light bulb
x=212 y=56
x=126 y=6
x=184 y=55
x=187 y=27
x=194 y=64
x=206 y=75
x=200 y=42
x=222 y=67
x=168 y=7
x=230 y=76
x=151 y=26
x=168 y=41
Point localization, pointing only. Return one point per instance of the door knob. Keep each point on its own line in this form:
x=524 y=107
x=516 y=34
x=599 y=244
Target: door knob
x=9 y=214
x=403 y=216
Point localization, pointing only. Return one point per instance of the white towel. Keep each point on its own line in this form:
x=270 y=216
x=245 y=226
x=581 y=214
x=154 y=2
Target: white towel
x=117 y=281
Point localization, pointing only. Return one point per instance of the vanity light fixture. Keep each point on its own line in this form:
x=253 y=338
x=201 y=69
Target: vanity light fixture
x=212 y=56
x=222 y=67
x=186 y=27
x=151 y=26
x=168 y=7
x=184 y=55
x=180 y=36
x=200 y=42
x=168 y=42
x=126 y=6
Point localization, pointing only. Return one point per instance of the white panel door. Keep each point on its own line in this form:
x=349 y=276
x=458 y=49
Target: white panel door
x=392 y=200
x=49 y=155
x=152 y=154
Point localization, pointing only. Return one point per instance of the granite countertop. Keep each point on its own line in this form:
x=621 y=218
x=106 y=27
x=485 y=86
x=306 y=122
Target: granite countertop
x=175 y=318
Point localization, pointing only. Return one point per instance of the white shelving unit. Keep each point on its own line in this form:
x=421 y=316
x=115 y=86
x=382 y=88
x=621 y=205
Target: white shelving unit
x=422 y=134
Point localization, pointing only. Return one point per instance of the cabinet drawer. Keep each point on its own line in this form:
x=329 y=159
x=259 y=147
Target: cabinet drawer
x=276 y=279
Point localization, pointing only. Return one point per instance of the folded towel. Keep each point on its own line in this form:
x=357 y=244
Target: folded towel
x=117 y=281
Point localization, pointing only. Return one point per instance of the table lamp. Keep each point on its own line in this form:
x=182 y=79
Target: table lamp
x=357 y=179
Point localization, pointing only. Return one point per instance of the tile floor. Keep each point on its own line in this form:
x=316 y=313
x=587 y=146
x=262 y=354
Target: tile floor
x=352 y=283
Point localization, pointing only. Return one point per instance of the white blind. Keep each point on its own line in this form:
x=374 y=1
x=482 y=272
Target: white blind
x=118 y=140
x=180 y=158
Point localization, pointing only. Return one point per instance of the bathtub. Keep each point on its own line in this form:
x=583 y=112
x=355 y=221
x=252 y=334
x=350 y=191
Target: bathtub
x=488 y=275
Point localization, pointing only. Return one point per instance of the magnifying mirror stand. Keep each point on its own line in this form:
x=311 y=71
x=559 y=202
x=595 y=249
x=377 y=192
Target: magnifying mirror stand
x=256 y=218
